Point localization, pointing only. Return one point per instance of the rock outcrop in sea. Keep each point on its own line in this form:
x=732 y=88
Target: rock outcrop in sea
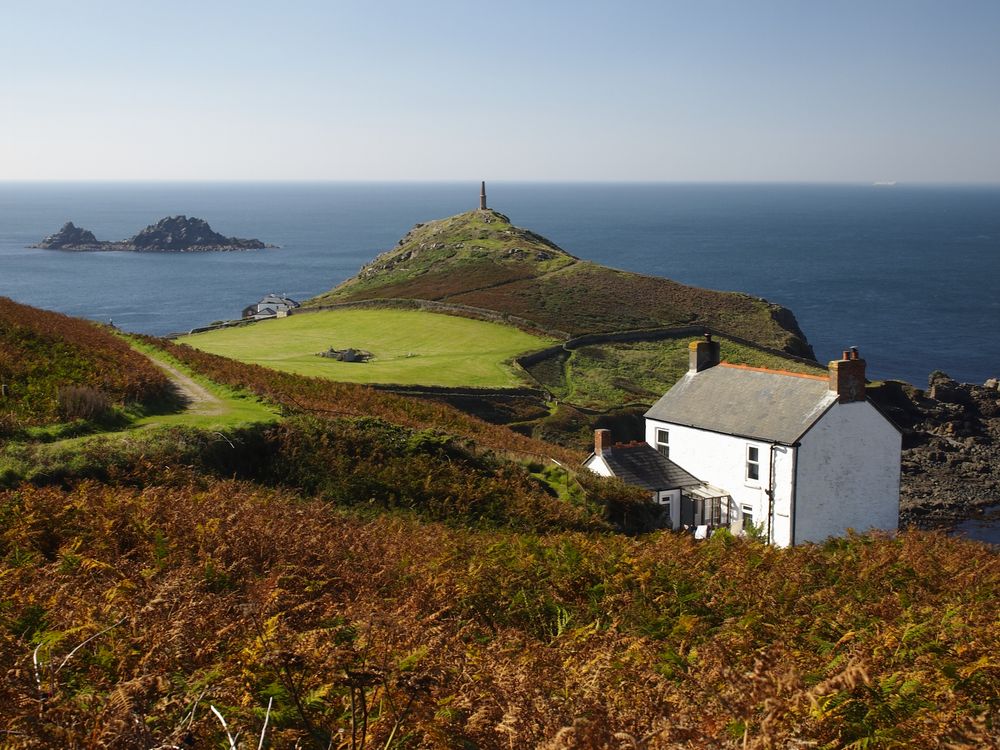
x=173 y=234
x=71 y=237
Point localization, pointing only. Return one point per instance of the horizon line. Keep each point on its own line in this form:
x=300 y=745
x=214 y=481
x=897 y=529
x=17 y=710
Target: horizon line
x=462 y=181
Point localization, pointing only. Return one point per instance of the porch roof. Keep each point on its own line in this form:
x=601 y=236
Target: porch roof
x=642 y=465
x=706 y=491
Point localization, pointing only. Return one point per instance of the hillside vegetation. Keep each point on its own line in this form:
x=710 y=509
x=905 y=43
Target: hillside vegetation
x=55 y=367
x=141 y=609
x=407 y=347
x=380 y=571
x=480 y=259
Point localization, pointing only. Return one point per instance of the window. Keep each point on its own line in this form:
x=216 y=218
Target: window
x=753 y=462
x=747 y=517
x=714 y=516
x=717 y=511
x=663 y=442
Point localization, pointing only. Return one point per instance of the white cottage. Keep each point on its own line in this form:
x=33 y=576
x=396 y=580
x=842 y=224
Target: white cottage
x=270 y=306
x=799 y=457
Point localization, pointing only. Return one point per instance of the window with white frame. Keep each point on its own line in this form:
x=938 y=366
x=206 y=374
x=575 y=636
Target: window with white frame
x=753 y=462
x=663 y=441
x=747 y=511
x=714 y=515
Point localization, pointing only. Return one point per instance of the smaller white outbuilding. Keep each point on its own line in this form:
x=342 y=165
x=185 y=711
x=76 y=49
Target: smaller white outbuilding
x=795 y=457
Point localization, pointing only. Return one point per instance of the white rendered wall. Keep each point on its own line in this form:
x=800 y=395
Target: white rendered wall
x=598 y=465
x=848 y=474
x=721 y=460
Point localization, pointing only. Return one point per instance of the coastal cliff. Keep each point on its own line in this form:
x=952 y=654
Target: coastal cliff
x=173 y=234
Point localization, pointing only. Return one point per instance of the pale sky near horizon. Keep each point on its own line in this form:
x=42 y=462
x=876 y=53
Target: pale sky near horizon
x=620 y=91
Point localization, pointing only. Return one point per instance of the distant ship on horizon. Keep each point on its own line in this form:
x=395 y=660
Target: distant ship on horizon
x=884 y=183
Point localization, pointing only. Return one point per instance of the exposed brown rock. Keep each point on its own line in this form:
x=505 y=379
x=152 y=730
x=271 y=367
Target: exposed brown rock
x=951 y=447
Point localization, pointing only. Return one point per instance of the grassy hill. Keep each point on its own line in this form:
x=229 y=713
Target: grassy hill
x=480 y=259
x=408 y=347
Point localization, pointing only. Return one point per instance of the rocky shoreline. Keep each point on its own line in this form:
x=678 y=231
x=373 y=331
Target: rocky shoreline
x=951 y=448
x=173 y=234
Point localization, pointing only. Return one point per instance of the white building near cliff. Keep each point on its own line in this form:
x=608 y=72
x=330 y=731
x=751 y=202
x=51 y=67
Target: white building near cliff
x=270 y=306
x=799 y=457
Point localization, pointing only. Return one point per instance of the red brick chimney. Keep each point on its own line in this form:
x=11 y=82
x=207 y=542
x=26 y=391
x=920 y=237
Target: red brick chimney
x=703 y=354
x=847 y=377
x=602 y=442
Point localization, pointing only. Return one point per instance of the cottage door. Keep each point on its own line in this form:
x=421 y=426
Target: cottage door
x=687 y=511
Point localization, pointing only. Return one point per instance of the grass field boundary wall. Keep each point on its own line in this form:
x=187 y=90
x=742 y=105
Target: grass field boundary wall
x=445 y=308
x=213 y=327
x=444 y=390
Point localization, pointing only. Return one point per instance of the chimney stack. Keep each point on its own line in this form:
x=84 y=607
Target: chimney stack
x=847 y=377
x=703 y=354
x=482 y=196
x=602 y=442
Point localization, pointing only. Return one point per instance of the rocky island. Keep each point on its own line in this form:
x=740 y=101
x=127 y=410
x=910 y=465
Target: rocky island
x=173 y=234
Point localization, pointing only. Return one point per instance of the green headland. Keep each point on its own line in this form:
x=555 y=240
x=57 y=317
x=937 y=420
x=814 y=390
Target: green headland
x=481 y=260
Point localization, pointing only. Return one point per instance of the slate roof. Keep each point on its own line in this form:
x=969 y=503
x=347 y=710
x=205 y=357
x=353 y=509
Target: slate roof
x=754 y=403
x=277 y=299
x=642 y=465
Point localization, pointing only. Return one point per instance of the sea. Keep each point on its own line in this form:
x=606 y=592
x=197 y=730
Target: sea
x=910 y=274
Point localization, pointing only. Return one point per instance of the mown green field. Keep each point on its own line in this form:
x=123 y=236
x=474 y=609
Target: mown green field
x=409 y=347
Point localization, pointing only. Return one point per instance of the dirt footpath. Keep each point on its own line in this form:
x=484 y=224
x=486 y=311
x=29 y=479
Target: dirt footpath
x=199 y=400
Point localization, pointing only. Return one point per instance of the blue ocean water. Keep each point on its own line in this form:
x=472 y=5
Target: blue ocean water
x=910 y=275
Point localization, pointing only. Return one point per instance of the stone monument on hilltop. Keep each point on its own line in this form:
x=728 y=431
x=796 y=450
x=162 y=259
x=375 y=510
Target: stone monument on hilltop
x=482 y=196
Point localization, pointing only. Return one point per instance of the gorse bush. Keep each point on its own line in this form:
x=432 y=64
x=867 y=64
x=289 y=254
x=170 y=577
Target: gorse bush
x=414 y=634
x=82 y=402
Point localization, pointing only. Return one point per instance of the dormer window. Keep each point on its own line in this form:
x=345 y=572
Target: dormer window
x=753 y=462
x=663 y=442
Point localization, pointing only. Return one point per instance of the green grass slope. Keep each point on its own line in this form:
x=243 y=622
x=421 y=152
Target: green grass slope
x=606 y=376
x=222 y=407
x=442 y=258
x=480 y=259
x=409 y=347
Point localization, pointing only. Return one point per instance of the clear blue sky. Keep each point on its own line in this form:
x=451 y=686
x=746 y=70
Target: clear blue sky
x=344 y=90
